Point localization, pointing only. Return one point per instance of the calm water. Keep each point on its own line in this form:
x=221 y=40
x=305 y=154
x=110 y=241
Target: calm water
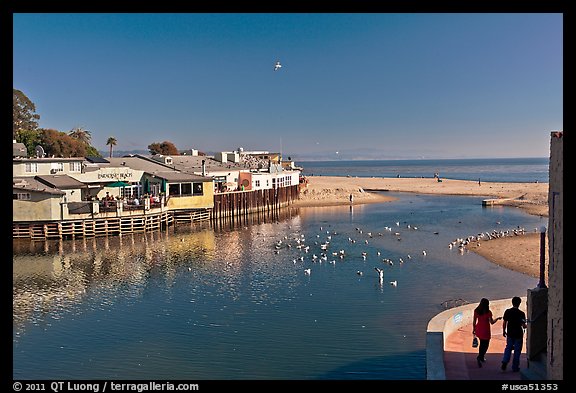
x=525 y=170
x=220 y=303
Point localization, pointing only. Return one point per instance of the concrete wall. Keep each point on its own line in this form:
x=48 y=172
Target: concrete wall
x=555 y=354
x=445 y=323
x=47 y=209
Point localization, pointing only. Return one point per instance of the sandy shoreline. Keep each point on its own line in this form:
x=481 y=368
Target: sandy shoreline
x=520 y=253
x=336 y=190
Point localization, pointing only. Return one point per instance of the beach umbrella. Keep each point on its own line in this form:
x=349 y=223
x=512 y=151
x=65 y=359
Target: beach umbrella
x=118 y=184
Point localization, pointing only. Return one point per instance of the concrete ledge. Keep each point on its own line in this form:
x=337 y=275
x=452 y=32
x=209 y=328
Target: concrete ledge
x=445 y=323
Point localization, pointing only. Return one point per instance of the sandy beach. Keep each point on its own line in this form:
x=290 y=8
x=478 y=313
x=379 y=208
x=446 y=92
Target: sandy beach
x=335 y=190
x=520 y=253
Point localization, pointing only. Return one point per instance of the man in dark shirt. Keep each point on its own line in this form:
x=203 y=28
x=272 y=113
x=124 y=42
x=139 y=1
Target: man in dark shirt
x=513 y=329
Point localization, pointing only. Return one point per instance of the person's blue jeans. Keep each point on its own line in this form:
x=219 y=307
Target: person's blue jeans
x=516 y=345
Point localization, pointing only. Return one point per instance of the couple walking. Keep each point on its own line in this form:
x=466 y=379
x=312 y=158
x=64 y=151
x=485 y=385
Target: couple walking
x=512 y=328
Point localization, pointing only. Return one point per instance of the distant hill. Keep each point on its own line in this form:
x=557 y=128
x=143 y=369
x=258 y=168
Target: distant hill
x=121 y=153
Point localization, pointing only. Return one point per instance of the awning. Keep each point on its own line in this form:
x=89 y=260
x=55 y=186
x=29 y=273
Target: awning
x=118 y=184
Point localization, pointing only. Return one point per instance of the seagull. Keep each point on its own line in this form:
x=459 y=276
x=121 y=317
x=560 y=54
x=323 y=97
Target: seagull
x=394 y=283
x=380 y=273
x=307 y=271
x=424 y=252
x=277 y=66
x=359 y=273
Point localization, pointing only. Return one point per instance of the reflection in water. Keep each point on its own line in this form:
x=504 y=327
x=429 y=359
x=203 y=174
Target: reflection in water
x=51 y=276
x=232 y=301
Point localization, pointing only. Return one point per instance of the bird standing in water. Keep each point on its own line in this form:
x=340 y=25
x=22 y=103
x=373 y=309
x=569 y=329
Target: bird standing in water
x=380 y=274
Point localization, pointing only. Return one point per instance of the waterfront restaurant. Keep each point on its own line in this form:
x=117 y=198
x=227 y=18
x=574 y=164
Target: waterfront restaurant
x=181 y=190
x=226 y=175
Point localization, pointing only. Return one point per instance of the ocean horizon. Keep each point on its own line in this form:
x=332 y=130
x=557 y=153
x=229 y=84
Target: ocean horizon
x=518 y=170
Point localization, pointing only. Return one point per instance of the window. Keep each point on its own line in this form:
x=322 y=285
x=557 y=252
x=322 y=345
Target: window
x=198 y=189
x=75 y=167
x=21 y=196
x=131 y=191
x=31 y=167
x=257 y=183
x=57 y=167
x=186 y=188
x=174 y=189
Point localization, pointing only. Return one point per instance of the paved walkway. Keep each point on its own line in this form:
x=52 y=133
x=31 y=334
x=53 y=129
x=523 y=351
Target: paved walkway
x=460 y=357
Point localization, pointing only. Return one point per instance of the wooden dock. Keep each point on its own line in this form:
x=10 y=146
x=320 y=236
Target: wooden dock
x=236 y=204
x=72 y=229
x=232 y=206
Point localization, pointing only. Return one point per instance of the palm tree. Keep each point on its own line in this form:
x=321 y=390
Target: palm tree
x=81 y=134
x=112 y=142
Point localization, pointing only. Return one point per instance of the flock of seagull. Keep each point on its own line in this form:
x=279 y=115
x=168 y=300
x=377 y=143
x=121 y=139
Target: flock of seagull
x=461 y=243
x=320 y=251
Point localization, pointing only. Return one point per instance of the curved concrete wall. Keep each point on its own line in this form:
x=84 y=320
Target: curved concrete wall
x=443 y=324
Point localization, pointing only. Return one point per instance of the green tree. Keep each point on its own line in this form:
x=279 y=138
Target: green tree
x=30 y=139
x=91 y=151
x=111 y=142
x=60 y=144
x=24 y=117
x=166 y=148
x=81 y=134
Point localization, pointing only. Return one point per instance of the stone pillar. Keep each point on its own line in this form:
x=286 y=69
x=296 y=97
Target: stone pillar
x=536 y=334
x=555 y=257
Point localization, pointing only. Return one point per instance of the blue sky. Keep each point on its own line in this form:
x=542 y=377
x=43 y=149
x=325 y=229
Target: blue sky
x=352 y=86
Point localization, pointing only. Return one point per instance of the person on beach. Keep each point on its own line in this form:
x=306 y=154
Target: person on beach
x=513 y=329
x=351 y=198
x=481 y=328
